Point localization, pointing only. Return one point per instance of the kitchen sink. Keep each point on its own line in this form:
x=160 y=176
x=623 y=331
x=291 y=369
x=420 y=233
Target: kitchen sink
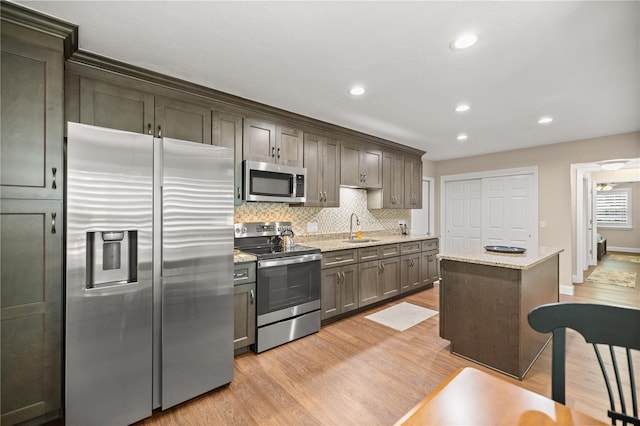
x=361 y=241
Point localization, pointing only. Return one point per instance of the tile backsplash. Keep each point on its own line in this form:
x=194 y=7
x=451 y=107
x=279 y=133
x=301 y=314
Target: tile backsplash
x=328 y=220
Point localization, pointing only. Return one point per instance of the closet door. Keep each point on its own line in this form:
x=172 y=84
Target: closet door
x=463 y=214
x=497 y=208
x=508 y=215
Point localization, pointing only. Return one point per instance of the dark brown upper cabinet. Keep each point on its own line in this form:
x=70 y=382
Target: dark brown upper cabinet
x=31 y=68
x=279 y=144
x=361 y=165
x=412 y=182
x=322 y=161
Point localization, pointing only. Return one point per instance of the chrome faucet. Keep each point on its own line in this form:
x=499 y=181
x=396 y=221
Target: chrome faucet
x=351 y=225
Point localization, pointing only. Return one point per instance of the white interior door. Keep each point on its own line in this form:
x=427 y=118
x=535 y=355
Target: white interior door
x=508 y=215
x=463 y=214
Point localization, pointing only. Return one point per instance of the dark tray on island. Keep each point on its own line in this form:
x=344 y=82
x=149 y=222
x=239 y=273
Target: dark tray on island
x=505 y=249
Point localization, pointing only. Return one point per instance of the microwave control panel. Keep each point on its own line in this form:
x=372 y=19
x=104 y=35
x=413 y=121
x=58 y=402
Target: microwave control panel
x=299 y=185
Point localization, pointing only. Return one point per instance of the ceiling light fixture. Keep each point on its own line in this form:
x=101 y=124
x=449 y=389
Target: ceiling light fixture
x=462 y=108
x=462 y=137
x=545 y=120
x=464 y=41
x=357 y=90
x=613 y=164
x=605 y=186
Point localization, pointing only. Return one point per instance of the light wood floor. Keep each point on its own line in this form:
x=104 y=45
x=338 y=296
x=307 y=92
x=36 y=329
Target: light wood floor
x=358 y=372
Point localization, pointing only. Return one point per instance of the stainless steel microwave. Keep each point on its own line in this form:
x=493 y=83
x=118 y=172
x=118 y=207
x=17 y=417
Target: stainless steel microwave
x=273 y=183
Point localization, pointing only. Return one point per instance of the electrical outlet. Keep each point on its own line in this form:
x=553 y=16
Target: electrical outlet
x=312 y=227
x=402 y=222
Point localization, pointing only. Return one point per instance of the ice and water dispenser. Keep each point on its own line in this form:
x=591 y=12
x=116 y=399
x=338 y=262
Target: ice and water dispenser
x=111 y=258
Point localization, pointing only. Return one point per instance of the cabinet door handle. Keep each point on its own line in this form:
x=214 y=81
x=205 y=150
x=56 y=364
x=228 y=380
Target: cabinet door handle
x=278 y=152
x=53 y=223
x=382 y=267
x=53 y=183
x=239 y=193
x=325 y=196
x=273 y=151
x=149 y=128
x=252 y=296
x=365 y=178
x=338 y=259
x=159 y=131
x=342 y=277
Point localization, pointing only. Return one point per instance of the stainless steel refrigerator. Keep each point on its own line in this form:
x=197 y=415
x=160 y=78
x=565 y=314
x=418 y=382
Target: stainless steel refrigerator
x=149 y=273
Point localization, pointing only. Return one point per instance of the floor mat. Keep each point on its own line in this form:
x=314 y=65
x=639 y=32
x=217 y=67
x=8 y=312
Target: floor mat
x=607 y=276
x=402 y=316
x=624 y=258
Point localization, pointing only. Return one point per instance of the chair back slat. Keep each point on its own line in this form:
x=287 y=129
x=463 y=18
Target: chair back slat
x=607 y=382
x=614 y=326
x=614 y=361
x=634 y=396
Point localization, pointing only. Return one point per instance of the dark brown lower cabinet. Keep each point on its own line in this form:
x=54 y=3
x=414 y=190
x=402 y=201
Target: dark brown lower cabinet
x=31 y=274
x=379 y=279
x=244 y=312
x=339 y=290
x=410 y=272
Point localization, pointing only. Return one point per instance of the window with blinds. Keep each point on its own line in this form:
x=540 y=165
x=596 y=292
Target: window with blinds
x=613 y=208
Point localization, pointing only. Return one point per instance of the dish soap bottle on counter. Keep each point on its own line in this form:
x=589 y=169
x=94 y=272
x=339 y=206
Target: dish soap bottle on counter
x=359 y=235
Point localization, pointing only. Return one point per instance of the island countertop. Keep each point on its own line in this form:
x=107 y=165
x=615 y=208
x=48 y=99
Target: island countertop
x=480 y=256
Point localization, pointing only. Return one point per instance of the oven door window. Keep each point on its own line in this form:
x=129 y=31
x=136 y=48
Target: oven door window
x=270 y=183
x=281 y=287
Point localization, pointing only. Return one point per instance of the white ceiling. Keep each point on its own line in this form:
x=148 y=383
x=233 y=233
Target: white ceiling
x=578 y=61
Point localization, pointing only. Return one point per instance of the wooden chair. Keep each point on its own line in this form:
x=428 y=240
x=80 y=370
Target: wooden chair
x=599 y=325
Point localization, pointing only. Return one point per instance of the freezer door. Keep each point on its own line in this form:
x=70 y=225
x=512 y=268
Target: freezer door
x=197 y=269
x=108 y=276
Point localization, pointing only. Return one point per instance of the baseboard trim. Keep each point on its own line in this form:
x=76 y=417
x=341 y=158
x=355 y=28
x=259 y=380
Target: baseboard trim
x=567 y=290
x=623 y=249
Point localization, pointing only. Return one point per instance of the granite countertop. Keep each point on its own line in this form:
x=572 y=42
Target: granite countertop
x=333 y=243
x=240 y=256
x=523 y=261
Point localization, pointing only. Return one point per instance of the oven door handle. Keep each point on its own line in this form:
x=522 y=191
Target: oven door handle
x=289 y=260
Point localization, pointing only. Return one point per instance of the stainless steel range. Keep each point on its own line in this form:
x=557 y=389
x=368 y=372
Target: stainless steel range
x=287 y=283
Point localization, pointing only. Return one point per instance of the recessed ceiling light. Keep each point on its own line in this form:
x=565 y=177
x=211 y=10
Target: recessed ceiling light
x=357 y=90
x=462 y=137
x=464 y=41
x=462 y=108
x=545 y=120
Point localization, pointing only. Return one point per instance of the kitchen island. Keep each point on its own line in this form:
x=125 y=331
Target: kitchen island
x=485 y=298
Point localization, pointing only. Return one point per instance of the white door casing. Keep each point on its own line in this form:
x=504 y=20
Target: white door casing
x=422 y=219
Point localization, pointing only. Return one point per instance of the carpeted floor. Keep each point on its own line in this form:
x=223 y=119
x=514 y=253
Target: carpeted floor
x=607 y=276
x=402 y=316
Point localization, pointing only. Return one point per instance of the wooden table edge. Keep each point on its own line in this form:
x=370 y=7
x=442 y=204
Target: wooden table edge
x=429 y=397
